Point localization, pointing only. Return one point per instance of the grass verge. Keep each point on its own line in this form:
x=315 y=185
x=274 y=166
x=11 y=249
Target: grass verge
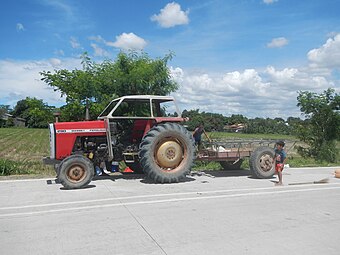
x=22 y=150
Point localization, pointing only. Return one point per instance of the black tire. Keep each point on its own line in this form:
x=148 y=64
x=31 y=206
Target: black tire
x=230 y=165
x=261 y=163
x=75 y=171
x=57 y=168
x=136 y=167
x=167 y=153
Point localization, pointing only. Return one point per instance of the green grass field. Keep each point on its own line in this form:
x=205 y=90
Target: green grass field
x=22 y=150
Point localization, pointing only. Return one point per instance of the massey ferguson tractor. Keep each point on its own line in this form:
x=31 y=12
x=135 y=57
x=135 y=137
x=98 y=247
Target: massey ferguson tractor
x=143 y=131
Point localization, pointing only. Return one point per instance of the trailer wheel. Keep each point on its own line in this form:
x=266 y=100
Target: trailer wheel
x=231 y=165
x=261 y=163
x=167 y=153
x=75 y=171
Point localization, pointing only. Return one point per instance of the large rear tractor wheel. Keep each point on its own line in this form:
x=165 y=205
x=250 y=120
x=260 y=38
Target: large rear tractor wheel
x=261 y=163
x=167 y=153
x=231 y=165
x=75 y=171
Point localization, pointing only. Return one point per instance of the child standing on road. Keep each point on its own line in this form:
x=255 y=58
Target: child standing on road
x=280 y=160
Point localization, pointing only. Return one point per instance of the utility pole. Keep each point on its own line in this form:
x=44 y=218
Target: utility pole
x=87 y=112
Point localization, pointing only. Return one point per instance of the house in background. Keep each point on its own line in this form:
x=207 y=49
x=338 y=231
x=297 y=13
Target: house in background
x=7 y=120
x=238 y=127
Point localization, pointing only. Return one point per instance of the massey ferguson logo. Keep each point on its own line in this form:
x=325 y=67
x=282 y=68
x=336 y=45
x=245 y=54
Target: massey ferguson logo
x=92 y=130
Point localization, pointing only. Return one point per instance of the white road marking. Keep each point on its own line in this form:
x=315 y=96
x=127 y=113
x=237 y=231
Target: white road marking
x=27 y=180
x=152 y=196
x=277 y=191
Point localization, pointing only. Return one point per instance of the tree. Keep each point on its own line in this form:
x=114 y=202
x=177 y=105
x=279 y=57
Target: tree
x=4 y=109
x=268 y=126
x=139 y=74
x=77 y=85
x=237 y=119
x=293 y=124
x=37 y=113
x=97 y=84
x=321 y=128
x=211 y=121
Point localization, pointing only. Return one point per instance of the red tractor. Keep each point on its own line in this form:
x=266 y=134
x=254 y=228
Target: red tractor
x=143 y=131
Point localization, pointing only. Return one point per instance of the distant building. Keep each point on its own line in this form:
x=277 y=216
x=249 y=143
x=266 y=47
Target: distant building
x=8 y=120
x=235 y=127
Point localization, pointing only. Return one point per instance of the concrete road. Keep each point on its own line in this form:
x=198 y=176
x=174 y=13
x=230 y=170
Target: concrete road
x=220 y=213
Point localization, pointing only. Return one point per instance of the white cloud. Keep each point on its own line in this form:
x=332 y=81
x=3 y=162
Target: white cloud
x=59 y=52
x=55 y=62
x=128 y=41
x=21 y=79
x=171 y=15
x=328 y=55
x=177 y=74
x=97 y=38
x=269 y=93
x=295 y=79
x=278 y=42
x=229 y=93
x=62 y=6
x=125 y=41
x=270 y=1
x=20 y=27
x=74 y=43
x=248 y=82
x=98 y=51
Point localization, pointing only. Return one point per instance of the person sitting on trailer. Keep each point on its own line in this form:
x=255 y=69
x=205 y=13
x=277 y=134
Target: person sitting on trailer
x=279 y=159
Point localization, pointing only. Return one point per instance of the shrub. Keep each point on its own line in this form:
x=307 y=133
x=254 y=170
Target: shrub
x=8 y=167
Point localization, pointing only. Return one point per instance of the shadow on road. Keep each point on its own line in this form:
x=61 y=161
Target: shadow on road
x=143 y=178
x=87 y=187
x=133 y=176
x=191 y=177
x=116 y=176
x=149 y=181
x=222 y=173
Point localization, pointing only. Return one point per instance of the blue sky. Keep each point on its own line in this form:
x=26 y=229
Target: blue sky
x=245 y=57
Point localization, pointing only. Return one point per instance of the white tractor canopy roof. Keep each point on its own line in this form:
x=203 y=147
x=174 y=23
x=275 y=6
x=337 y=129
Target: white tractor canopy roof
x=141 y=107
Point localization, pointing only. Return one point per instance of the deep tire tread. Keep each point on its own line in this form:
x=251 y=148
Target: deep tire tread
x=68 y=162
x=254 y=160
x=147 y=162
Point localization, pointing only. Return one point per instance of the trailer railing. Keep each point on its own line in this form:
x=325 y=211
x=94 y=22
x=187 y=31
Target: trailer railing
x=233 y=149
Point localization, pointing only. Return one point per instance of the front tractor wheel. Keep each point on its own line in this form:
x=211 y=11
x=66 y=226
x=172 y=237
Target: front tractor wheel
x=261 y=163
x=75 y=172
x=167 y=153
